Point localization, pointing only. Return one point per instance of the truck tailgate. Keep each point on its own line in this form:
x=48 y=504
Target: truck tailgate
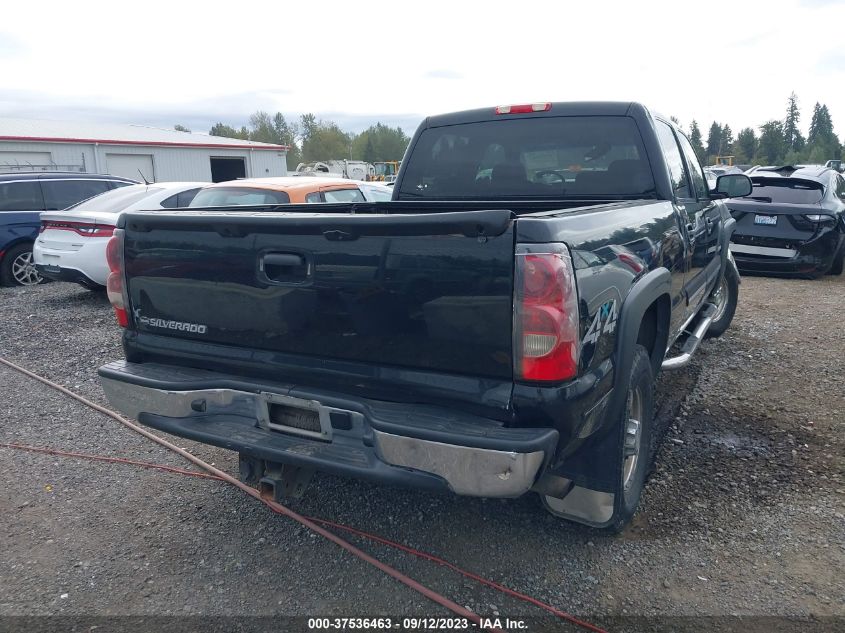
x=429 y=291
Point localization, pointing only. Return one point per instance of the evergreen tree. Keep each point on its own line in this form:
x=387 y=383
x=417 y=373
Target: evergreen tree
x=770 y=147
x=369 y=151
x=746 y=145
x=180 y=128
x=822 y=142
x=695 y=141
x=714 y=141
x=791 y=134
x=727 y=139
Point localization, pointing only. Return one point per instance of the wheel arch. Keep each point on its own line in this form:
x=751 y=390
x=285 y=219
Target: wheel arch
x=13 y=243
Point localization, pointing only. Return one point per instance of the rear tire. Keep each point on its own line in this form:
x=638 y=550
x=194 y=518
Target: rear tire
x=17 y=267
x=637 y=439
x=838 y=262
x=726 y=296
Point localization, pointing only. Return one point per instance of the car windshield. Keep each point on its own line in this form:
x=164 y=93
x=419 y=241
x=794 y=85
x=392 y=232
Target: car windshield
x=116 y=200
x=548 y=157
x=238 y=196
x=786 y=190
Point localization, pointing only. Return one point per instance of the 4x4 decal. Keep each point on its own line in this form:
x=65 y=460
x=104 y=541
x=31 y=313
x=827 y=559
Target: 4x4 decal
x=603 y=323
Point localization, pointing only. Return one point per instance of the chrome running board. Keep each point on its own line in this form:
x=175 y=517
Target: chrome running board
x=693 y=340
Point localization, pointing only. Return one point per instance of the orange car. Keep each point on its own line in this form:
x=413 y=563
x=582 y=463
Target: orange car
x=288 y=190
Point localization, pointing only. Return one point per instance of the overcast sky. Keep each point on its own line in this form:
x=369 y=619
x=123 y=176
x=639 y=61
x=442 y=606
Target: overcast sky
x=360 y=62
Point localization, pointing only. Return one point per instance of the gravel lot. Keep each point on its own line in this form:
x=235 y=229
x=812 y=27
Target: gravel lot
x=743 y=515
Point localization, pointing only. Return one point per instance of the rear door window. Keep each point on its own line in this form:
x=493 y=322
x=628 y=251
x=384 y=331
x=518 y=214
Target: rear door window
x=677 y=169
x=179 y=200
x=184 y=199
x=21 y=196
x=60 y=194
x=699 y=182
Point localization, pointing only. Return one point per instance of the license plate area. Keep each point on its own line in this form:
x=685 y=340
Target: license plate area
x=766 y=220
x=295 y=416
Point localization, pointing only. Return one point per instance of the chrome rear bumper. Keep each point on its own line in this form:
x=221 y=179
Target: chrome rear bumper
x=478 y=459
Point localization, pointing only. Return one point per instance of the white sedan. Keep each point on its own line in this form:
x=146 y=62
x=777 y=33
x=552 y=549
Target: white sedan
x=71 y=244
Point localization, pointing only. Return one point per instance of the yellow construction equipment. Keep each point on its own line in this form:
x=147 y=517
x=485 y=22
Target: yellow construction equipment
x=386 y=170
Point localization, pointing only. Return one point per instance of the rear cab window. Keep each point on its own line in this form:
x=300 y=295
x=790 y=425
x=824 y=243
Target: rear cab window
x=547 y=157
x=238 y=196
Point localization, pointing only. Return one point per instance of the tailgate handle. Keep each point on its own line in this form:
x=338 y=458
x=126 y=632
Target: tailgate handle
x=284 y=268
x=289 y=260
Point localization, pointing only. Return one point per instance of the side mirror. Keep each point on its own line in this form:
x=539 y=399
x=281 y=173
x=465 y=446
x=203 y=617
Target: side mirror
x=732 y=186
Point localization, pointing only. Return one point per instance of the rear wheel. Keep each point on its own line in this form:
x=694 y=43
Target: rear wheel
x=726 y=298
x=637 y=438
x=18 y=267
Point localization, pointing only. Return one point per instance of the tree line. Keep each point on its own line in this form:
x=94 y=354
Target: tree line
x=311 y=139
x=776 y=142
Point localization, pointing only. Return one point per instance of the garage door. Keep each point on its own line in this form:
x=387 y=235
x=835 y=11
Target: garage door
x=129 y=166
x=14 y=161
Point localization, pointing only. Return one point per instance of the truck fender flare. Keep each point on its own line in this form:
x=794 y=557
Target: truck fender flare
x=642 y=294
x=728 y=228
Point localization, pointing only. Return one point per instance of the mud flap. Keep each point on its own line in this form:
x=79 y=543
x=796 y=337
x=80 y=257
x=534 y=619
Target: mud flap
x=594 y=475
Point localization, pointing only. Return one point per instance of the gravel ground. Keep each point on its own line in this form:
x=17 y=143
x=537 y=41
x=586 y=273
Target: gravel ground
x=743 y=515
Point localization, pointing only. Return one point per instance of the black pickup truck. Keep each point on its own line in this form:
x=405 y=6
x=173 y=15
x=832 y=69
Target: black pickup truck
x=495 y=329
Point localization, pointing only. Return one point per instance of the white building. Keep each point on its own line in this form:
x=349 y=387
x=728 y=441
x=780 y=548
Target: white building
x=131 y=150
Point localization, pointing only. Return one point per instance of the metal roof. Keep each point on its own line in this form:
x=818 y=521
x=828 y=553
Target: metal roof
x=50 y=131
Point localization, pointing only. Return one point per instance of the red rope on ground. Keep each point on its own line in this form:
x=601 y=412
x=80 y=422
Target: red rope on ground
x=310 y=522
x=114 y=460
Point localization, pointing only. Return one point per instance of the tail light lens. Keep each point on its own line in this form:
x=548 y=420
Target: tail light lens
x=546 y=340
x=822 y=219
x=115 y=286
x=85 y=229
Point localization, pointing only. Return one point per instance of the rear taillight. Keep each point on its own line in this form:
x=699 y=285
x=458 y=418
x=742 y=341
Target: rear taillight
x=85 y=229
x=114 y=283
x=546 y=341
x=822 y=219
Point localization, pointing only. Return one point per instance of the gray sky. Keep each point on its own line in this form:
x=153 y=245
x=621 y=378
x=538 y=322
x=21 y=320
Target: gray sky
x=357 y=63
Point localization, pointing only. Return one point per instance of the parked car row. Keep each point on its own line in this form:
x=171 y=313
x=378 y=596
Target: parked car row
x=23 y=196
x=56 y=225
